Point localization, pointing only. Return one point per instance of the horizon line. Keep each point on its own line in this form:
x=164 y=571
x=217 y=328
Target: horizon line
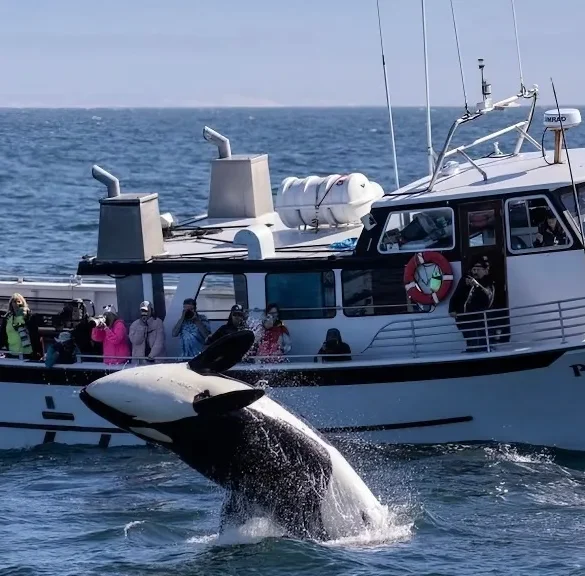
x=246 y=106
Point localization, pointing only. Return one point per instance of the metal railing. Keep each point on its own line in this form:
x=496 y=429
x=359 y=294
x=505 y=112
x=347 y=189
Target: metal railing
x=529 y=326
x=409 y=336
x=520 y=127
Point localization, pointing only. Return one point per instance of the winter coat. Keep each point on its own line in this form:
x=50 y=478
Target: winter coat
x=18 y=334
x=152 y=332
x=115 y=342
x=275 y=341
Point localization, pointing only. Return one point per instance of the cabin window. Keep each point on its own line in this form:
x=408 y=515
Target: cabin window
x=376 y=292
x=415 y=230
x=568 y=199
x=219 y=292
x=481 y=228
x=533 y=225
x=302 y=295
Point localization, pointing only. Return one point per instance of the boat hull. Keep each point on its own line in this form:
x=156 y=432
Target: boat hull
x=536 y=398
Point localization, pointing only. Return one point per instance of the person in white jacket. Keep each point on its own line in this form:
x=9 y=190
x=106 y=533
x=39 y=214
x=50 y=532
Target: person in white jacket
x=147 y=335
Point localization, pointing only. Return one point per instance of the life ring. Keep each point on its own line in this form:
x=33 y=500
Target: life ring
x=414 y=291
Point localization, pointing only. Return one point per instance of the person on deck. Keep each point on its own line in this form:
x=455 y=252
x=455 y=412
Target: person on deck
x=235 y=322
x=19 y=331
x=474 y=294
x=334 y=349
x=193 y=329
x=62 y=351
x=113 y=334
x=73 y=318
x=147 y=335
x=275 y=341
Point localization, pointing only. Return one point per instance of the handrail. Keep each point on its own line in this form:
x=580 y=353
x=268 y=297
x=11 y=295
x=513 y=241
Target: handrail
x=407 y=336
x=469 y=116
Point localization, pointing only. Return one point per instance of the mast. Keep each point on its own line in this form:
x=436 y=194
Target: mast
x=430 y=152
x=388 y=104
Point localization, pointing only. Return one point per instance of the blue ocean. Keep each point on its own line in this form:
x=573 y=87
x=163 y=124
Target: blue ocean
x=456 y=510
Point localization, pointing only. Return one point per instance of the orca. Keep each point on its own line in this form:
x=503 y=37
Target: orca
x=269 y=461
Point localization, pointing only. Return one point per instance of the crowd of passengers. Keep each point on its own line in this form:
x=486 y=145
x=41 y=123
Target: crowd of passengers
x=108 y=336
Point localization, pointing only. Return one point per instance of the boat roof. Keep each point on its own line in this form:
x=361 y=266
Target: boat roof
x=211 y=238
x=505 y=175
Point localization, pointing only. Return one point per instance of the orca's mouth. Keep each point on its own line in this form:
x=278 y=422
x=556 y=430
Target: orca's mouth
x=113 y=416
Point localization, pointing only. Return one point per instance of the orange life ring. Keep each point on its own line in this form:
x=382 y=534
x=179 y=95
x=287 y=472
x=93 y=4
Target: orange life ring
x=414 y=291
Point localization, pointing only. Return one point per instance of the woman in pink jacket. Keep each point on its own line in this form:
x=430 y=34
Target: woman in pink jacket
x=114 y=337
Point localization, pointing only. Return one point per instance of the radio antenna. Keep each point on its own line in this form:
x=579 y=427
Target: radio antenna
x=430 y=152
x=388 y=104
x=564 y=141
x=522 y=87
x=460 y=62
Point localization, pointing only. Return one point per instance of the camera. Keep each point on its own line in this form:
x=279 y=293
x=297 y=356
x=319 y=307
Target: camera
x=97 y=321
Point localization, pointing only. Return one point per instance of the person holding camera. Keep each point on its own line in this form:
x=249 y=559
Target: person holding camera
x=112 y=333
x=147 y=335
x=474 y=294
x=275 y=341
x=334 y=349
x=62 y=351
x=193 y=329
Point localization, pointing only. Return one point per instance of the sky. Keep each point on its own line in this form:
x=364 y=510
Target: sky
x=63 y=53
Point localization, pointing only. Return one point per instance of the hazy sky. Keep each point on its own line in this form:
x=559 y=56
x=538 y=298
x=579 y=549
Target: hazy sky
x=278 y=52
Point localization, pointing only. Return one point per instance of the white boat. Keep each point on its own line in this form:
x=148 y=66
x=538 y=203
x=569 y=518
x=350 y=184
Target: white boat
x=335 y=252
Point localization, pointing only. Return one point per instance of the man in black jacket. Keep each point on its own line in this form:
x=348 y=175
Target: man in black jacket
x=235 y=322
x=474 y=294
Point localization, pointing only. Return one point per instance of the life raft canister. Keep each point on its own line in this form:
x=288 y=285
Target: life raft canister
x=440 y=284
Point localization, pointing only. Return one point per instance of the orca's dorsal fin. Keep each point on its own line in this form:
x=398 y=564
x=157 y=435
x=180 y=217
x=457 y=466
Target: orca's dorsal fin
x=206 y=405
x=223 y=353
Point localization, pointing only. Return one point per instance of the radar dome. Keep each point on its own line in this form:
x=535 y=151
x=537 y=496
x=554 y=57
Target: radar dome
x=568 y=117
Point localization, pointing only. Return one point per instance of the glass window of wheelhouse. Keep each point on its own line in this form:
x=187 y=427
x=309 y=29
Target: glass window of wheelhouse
x=570 y=206
x=302 y=295
x=533 y=225
x=418 y=229
x=219 y=292
x=375 y=292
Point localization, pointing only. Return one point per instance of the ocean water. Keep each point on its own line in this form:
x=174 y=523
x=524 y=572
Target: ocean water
x=493 y=509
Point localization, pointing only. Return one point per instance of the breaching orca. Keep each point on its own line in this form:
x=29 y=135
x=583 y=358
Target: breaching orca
x=269 y=461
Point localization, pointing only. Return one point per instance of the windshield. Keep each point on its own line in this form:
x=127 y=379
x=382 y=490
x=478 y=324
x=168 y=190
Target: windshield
x=414 y=230
x=568 y=199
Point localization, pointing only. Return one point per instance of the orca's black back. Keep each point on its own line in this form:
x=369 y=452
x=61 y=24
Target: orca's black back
x=266 y=461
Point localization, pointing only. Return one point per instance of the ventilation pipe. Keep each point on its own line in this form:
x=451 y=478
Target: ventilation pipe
x=111 y=182
x=222 y=143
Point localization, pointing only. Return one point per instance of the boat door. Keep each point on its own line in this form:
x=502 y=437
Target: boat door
x=482 y=233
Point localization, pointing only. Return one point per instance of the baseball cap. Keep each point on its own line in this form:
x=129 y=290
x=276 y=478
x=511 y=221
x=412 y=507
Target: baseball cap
x=145 y=305
x=237 y=308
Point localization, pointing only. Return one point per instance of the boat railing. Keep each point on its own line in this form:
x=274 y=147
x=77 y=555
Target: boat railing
x=553 y=323
x=521 y=328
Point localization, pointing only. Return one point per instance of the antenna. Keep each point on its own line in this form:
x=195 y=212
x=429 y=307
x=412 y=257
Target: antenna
x=388 y=104
x=522 y=88
x=486 y=89
x=459 y=56
x=563 y=139
x=430 y=152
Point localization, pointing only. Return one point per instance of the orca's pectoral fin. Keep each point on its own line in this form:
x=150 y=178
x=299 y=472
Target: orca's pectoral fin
x=235 y=512
x=223 y=353
x=206 y=405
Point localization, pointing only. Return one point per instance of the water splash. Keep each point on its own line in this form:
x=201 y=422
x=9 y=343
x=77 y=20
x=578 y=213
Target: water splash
x=131 y=525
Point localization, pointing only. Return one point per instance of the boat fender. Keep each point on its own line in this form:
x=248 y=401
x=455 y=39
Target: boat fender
x=440 y=283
